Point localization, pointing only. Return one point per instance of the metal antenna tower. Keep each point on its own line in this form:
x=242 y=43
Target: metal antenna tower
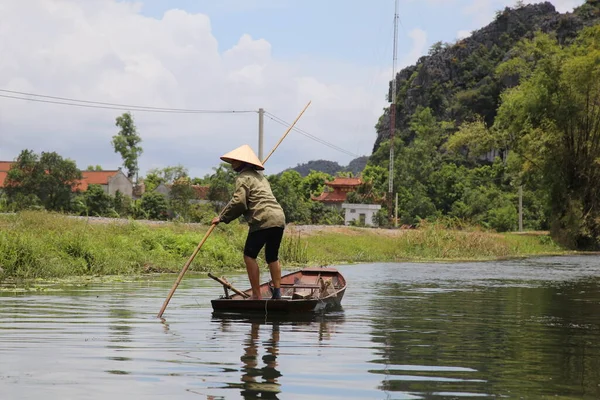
x=393 y=116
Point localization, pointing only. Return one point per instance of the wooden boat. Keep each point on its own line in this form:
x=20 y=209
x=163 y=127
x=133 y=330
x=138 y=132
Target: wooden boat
x=304 y=291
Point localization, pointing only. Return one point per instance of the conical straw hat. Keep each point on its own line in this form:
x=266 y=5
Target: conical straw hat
x=243 y=153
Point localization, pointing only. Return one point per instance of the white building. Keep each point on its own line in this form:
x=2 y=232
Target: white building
x=362 y=213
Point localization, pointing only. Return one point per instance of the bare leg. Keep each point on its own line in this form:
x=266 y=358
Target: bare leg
x=275 y=270
x=253 y=276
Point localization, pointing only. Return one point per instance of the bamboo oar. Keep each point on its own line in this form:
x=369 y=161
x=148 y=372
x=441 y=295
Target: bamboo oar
x=212 y=227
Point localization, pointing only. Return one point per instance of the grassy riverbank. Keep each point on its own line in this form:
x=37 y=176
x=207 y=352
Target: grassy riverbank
x=43 y=245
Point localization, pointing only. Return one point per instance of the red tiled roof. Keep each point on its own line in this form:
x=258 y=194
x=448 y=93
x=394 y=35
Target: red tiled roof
x=5 y=166
x=201 y=191
x=344 y=182
x=89 y=177
x=95 y=178
x=331 y=197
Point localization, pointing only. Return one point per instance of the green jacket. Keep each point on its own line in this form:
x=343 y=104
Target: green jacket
x=254 y=199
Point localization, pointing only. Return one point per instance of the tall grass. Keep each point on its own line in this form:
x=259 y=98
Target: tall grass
x=43 y=245
x=429 y=243
x=39 y=244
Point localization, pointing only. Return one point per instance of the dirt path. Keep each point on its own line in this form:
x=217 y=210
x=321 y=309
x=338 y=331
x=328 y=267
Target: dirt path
x=303 y=230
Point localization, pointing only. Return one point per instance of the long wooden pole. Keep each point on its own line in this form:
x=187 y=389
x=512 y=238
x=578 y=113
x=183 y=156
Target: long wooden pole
x=286 y=133
x=212 y=227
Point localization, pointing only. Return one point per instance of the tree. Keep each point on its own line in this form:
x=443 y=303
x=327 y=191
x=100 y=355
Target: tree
x=98 y=202
x=474 y=139
x=288 y=192
x=121 y=204
x=126 y=142
x=48 y=178
x=92 y=168
x=181 y=194
x=166 y=175
x=314 y=183
x=552 y=119
x=154 y=205
x=170 y=174
x=222 y=184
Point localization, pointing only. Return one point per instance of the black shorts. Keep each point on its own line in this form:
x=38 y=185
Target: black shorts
x=270 y=238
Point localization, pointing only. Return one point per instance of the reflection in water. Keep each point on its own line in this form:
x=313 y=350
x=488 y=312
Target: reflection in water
x=120 y=333
x=511 y=329
x=252 y=385
x=260 y=375
x=503 y=340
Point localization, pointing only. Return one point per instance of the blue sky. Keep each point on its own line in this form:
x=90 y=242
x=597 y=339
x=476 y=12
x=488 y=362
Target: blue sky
x=338 y=29
x=218 y=55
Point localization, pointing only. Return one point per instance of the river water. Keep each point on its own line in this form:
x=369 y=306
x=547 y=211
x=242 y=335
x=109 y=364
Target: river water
x=512 y=329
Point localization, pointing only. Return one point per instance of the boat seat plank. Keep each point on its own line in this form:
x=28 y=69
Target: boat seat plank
x=300 y=286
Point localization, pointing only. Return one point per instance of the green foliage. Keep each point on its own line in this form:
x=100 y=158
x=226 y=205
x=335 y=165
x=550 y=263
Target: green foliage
x=93 y=168
x=46 y=181
x=167 y=175
x=288 y=190
x=474 y=138
x=222 y=184
x=154 y=205
x=121 y=204
x=293 y=250
x=44 y=245
x=127 y=143
x=202 y=213
x=181 y=195
x=47 y=245
x=314 y=183
x=98 y=203
x=551 y=119
x=321 y=214
x=152 y=181
x=534 y=103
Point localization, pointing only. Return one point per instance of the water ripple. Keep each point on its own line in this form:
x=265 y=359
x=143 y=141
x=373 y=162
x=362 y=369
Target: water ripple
x=407 y=331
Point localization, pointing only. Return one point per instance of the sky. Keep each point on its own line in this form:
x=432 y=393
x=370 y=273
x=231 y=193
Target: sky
x=226 y=55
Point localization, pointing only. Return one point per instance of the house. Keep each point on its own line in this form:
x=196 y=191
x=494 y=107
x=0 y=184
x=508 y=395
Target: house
x=110 y=181
x=338 y=190
x=4 y=168
x=362 y=213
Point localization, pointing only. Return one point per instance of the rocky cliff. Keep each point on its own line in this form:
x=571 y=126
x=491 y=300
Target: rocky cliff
x=457 y=80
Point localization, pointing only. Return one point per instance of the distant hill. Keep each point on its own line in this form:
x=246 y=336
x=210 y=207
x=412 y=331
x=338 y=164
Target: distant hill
x=331 y=167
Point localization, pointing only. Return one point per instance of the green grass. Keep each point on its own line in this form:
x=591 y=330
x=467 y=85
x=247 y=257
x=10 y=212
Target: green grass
x=431 y=243
x=42 y=245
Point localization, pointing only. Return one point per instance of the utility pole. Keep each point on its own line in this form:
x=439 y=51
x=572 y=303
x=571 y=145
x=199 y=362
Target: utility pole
x=261 y=131
x=396 y=212
x=393 y=118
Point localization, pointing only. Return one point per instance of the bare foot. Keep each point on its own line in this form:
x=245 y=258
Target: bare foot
x=254 y=298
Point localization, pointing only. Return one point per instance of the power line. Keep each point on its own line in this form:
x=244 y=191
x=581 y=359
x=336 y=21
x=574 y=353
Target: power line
x=40 y=98
x=66 y=101
x=315 y=138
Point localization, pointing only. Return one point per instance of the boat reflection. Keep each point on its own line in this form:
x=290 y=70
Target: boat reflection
x=260 y=375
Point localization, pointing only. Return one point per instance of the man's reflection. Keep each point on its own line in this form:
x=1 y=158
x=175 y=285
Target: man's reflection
x=268 y=387
x=260 y=376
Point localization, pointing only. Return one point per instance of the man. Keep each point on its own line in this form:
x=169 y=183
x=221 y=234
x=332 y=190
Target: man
x=254 y=199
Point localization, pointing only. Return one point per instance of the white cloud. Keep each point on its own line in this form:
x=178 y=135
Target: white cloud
x=107 y=51
x=419 y=47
